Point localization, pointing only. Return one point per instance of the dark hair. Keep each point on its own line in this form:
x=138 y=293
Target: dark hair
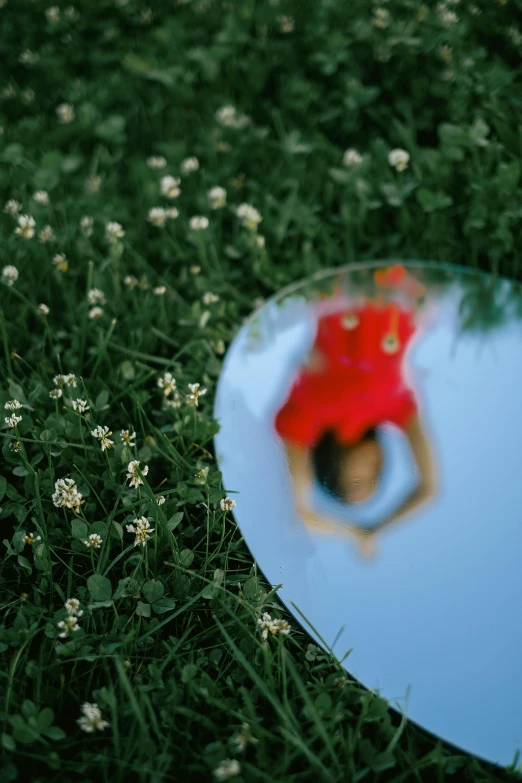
x=326 y=459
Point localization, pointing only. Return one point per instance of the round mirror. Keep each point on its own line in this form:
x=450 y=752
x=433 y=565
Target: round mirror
x=370 y=426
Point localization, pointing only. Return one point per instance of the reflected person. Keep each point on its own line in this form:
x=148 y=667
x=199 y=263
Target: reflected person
x=352 y=382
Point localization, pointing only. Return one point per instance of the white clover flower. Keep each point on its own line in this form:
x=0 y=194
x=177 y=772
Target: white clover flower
x=92 y=184
x=175 y=402
x=12 y=207
x=157 y=216
x=229 y=768
x=94 y=541
x=160 y=499
x=130 y=281
x=72 y=606
x=91 y=719
x=195 y=269
x=9 y=275
x=286 y=24
x=227 y=504
x=28 y=57
x=273 y=627
x=156 y=162
x=80 y=406
x=32 y=538
x=13 y=405
x=65 y=380
x=167 y=382
x=352 y=158
x=55 y=394
x=127 y=438
x=244 y=738
x=141 y=529
x=515 y=35
x=189 y=165
x=9 y=91
x=41 y=197
x=249 y=216
x=132 y=473
x=159 y=290
x=25 y=227
x=399 y=159
x=60 y=262
x=46 y=234
x=446 y=16
x=69 y=625
x=260 y=240
x=169 y=186
x=86 y=225
x=381 y=18
x=217 y=197
x=195 y=393
x=113 y=231
x=53 y=14
x=66 y=494
x=96 y=297
x=172 y=213
x=65 y=113
x=43 y=309
x=27 y=95
x=95 y=313
x=15 y=446
x=102 y=434
x=226 y=116
x=197 y=223
x=209 y=298
x=13 y=420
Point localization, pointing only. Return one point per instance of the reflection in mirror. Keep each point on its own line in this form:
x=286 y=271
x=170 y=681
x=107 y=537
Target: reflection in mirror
x=351 y=383
x=370 y=428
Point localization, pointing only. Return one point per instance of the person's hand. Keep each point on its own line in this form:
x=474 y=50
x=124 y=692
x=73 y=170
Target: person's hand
x=367 y=542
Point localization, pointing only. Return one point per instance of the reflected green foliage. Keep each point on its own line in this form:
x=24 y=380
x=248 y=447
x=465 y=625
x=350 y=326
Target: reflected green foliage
x=486 y=302
x=485 y=306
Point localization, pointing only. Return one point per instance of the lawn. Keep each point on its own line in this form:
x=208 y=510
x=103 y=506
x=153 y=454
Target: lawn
x=162 y=170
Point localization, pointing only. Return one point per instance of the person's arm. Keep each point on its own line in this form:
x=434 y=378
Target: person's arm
x=300 y=467
x=427 y=486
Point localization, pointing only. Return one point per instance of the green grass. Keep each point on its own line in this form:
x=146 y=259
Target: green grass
x=169 y=646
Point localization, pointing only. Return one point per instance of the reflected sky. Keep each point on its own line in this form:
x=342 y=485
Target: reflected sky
x=437 y=610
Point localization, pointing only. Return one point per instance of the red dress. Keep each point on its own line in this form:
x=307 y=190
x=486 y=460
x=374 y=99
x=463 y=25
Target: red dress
x=361 y=383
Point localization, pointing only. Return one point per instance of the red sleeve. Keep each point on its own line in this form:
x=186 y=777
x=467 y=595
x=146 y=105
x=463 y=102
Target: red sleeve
x=297 y=424
x=404 y=407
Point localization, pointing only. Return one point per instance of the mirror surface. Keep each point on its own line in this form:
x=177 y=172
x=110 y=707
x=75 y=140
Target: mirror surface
x=370 y=426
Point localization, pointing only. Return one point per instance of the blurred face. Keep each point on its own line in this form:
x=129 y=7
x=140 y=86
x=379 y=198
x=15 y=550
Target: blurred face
x=360 y=469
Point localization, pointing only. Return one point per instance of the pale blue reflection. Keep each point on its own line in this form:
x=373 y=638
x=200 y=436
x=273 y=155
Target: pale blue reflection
x=438 y=610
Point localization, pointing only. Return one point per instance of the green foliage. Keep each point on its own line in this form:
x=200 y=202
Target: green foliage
x=165 y=638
